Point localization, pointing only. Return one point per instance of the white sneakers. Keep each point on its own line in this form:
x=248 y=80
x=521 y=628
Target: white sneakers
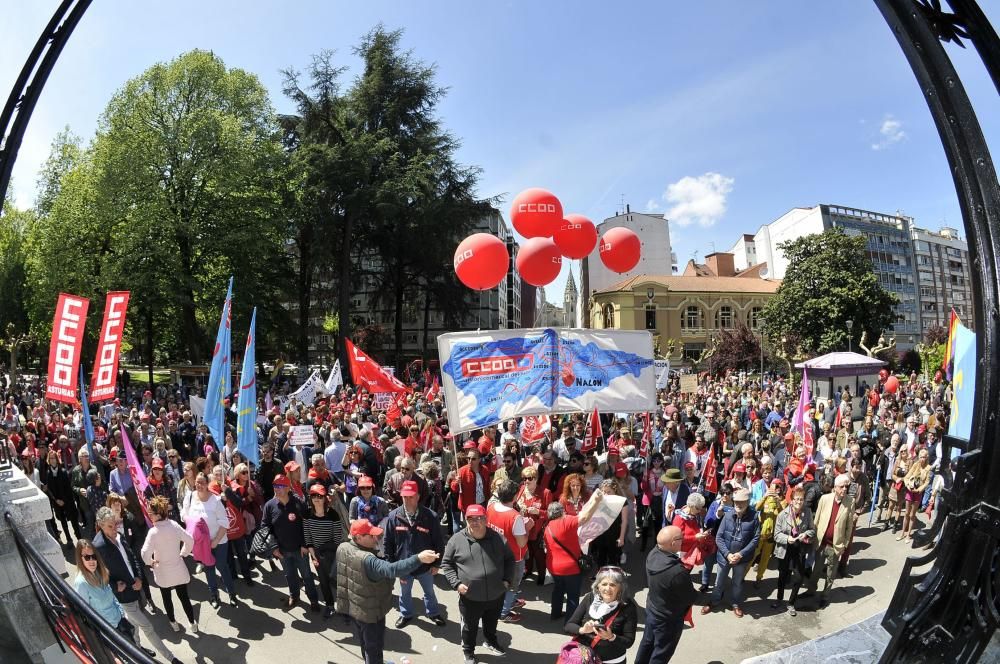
x=175 y=626
x=194 y=628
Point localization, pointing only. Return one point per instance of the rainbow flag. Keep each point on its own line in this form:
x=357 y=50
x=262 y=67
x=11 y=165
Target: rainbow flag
x=947 y=362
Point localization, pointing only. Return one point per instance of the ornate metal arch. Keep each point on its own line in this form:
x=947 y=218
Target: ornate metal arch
x=950 y=612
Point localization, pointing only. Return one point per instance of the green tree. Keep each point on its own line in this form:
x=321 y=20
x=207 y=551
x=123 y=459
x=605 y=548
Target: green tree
x=829 y=281
x=64 y=155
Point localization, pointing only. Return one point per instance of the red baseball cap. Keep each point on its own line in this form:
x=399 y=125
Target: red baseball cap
x=740 y=467
x=157 y=463
x=409 y=489
x=317 y=490
x=475 y=510
x=621 y=470
x=365 y=527
x=364 y=480
x=292 y=466
x=470 y=445
x=280 y=480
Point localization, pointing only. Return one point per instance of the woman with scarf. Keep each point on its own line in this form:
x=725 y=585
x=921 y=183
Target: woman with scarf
x=160 y=484
x=529 y=504
x=605 y=619
x=366 y=505
x=690 y=519
x=798 y=471
x=794 y=533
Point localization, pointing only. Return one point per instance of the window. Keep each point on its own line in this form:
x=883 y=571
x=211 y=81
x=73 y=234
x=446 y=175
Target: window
x=692 y=352
x=954 y=265
x=692 y=317
x=608 y=314
x=724 y=317
x=650 y=318
x=410 y=338
x=957 y=281
x=920 y=245
x=930 y=306
x=926 y=291
x=324 y=340
x=754 y=317
x=923 y=260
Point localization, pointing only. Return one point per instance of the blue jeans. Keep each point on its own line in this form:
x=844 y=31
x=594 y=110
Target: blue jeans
x=739 y=571
x=515 y=588
x=706 y=572
x=565 y=586
x=221 y=553
x=426 y=582
x=294 y=564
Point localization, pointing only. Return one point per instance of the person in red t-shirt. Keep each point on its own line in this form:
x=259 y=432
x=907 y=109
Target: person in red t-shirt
x=504 y=518
x=563 y=546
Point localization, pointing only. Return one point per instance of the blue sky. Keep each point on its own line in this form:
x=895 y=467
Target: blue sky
x=721 y=114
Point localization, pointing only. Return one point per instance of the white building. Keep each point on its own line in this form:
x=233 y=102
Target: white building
x=942 y=275
x=889 y=247
x=656 y=256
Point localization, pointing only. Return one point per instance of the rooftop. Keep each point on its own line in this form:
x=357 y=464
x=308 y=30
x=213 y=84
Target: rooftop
x=706 y=284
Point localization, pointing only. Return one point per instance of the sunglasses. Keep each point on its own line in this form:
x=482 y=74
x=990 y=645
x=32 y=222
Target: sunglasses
x=89 y=556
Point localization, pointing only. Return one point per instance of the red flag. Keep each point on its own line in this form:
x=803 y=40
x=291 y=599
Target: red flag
x=807 y=439
x=647 y=435
x=64 y=350
x=593 y=432
x=710 y=474
x=393 y=414
x=434 y=390
x=836 y=423
x=534 y=428
x=367 y=373
x=102 y=383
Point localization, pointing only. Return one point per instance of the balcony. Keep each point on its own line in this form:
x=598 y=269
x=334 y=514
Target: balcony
x=694 y=331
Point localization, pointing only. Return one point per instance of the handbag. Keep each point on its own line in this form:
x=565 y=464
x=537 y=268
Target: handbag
x=264 y=543
x=585 y=562
x=126 y=629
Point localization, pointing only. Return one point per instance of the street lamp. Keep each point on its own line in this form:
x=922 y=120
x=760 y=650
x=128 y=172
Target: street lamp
x=850 y=326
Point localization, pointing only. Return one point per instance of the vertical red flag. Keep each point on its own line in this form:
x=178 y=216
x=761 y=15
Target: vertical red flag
x=105 y=373
x=710 y=474
x=593 y=433
x=647 y=435
x=836 y=423
x=807 y=440
x=534 y=428
x=393 y=414
x=64 y=350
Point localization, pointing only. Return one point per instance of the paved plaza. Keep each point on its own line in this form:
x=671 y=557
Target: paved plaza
x=259 y=631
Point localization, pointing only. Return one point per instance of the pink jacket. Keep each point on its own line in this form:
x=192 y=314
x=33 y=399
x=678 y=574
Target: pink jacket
x=167 y=544
x=198 y=530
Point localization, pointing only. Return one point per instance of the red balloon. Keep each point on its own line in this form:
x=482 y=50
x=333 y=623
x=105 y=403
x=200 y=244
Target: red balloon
x=481 y=261
x=576 y=236
x=536 y=213
x=538 y=261
x=620 y=249
x=891 y=384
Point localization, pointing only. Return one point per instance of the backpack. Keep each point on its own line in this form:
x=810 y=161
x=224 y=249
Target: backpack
x=577 y=653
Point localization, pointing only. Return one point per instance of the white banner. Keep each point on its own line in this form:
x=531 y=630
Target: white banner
x=197 y=409
x=605 y=514
x=489 y=377
x=662 y=374
x=335 y=380
x=302 y=434
x=313 y=387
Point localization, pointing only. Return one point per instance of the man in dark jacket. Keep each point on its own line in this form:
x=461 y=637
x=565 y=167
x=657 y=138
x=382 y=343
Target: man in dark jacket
x=480 y=566
x=409 y=529
x=670 y=597
x=125 y=577
x=736 y=540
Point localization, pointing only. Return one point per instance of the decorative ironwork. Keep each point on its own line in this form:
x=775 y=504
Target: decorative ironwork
x=949 y=612
x=75 y=624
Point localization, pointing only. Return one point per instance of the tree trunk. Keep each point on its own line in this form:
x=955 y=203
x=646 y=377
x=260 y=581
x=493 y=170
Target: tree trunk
x=427 y=315
x=397 y=326
x=305 y=281
x=149 y=345
x=344 y=294
x=189 y=321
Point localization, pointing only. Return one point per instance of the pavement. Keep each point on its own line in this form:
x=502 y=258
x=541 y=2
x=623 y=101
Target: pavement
x=261 y=631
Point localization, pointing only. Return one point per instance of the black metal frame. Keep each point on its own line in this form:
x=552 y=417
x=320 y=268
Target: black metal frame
x=950 y=612
x=73 y=622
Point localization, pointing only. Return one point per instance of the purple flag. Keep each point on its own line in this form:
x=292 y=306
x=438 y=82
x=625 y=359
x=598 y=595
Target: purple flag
x=799 y=419
x=139 y=480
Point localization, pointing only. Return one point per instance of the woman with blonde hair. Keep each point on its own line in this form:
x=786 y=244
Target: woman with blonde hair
x=916 y=481
x=92 y=584
x=166 y=546
x=185 y=484
x=897 y=491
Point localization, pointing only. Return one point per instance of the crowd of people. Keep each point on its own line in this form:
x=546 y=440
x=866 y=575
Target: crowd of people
x=716 y=492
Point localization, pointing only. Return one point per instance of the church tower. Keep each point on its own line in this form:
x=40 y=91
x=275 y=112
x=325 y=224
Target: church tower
x=569 y=301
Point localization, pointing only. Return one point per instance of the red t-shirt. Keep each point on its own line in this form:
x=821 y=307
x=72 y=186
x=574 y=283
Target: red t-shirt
x=557 y=560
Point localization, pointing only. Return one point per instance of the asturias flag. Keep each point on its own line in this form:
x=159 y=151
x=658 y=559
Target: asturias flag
x=220 y=382
x=246 y=416
x=964 y=384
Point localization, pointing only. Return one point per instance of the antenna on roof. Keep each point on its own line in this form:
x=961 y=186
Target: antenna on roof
x=621 y=210
x=694 y=255
x=713 y=246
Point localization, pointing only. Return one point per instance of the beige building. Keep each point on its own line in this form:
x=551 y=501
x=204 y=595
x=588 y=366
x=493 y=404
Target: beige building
x=690 y=308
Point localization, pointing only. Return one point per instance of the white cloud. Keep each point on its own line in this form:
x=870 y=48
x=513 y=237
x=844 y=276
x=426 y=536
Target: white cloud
x=891 y=132
x=699 y=199
x=652 y=205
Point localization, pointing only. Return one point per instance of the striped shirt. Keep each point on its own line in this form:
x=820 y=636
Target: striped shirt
x=325 y=531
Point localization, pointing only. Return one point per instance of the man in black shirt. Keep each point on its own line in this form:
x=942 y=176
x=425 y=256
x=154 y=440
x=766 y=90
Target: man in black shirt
x=670 y=597
x=284 y=515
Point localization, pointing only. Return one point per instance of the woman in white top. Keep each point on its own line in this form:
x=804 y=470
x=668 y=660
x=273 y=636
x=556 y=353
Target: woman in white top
x=164 y=550
x=203 y=504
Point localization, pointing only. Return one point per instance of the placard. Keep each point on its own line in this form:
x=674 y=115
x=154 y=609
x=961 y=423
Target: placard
x=383 y=400
x=302 y=434
x=689 y=384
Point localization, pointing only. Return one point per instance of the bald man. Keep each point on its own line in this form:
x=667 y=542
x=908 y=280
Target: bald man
x=670 y=597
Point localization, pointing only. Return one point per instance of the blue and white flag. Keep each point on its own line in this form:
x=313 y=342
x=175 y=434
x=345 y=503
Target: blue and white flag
x=489 y=377
x=220 y=381
x=246 y=409
x=963 y=382
x=88 y=425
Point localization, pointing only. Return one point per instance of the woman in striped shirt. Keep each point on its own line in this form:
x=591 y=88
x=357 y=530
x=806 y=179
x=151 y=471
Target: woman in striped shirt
x=324 y=531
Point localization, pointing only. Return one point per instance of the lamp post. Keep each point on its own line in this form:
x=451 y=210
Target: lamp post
x=850 y=326
x=760 y=324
